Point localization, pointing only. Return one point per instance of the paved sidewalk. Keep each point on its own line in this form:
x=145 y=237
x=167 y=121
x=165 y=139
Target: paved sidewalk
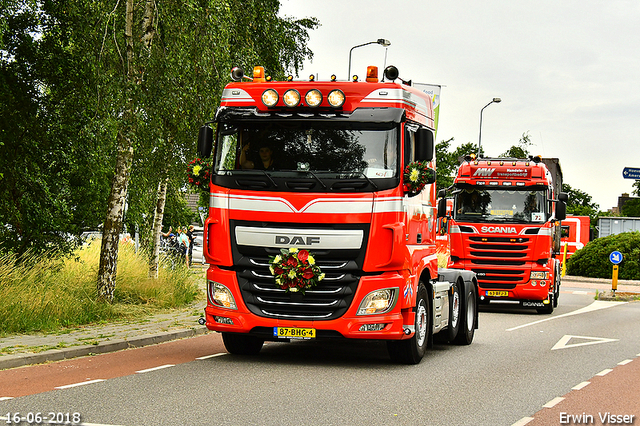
x=19 y=350
x=25 y=349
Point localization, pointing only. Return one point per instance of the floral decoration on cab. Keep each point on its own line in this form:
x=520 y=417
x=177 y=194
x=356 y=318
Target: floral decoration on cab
x=198 y=173
x=416 y=176
x=295 y=270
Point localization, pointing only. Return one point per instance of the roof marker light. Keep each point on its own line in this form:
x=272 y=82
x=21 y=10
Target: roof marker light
x=334 y=77
x=289 y=78
x=312 y=77
x=270 y=98
x=354 y=78
x=313 y=98
x=291 y=98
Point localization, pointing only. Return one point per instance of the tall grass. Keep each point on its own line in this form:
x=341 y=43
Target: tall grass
x=47 y=293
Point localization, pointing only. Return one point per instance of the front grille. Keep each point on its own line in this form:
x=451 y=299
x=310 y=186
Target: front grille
x=329 y=300
x=491 y=256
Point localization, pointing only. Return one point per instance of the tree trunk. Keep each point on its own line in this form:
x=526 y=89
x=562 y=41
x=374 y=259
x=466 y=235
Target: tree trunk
x=113 y=221
x=157 y=226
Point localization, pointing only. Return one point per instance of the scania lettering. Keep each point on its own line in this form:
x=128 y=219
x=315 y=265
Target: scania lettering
x=505 y=227
x=314 y=169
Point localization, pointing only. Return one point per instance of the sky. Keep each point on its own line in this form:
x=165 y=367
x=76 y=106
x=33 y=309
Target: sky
x=567 y=71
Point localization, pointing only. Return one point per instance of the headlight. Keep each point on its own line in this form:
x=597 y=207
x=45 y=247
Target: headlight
x=313 y=98
x=336 y=98
x=220 y=295
x=539 y=275
x=378 y=302
x=270 y=97
x=291 y=98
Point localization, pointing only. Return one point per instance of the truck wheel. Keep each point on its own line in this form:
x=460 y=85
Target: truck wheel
x=411 y=351
x=455 y=312
x=468 y=318
x=241 y=344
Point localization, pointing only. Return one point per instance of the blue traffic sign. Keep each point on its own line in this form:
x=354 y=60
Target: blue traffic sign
x=631 y=173
x=615 y=257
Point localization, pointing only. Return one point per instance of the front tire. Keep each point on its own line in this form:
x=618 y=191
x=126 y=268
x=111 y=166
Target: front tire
x=242 y=344
x=411 y=351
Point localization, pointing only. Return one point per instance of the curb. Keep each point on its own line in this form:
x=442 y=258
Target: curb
x=19 y=360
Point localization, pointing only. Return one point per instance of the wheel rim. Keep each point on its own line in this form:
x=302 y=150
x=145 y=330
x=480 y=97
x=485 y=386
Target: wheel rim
x=455 y=314
x=421 y=323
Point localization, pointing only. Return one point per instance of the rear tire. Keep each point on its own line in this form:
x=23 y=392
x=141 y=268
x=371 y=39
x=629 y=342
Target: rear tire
x=468 y=317
x=242 y=344
x=411 y=351
x=455 y=313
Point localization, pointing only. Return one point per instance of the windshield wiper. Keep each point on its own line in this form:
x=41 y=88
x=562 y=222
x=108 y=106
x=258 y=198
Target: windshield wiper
x=317 y=178
x=268 y=177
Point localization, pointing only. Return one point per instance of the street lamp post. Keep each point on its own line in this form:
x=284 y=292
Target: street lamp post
x=494 y=100
x=380 y=41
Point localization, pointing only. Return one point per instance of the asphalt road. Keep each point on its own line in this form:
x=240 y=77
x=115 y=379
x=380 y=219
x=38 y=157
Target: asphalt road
x=518 y=362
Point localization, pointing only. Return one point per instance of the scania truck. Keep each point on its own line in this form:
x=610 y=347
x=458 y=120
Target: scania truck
x=313 y=232
x=505 y=227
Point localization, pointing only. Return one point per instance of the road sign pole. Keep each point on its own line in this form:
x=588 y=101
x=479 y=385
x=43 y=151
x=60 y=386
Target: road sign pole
x=614 y=280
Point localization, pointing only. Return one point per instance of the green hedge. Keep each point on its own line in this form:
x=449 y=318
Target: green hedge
x=593 y=260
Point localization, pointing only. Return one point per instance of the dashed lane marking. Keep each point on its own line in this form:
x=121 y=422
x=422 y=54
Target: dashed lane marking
x=212 y=356
x=553 y=402
x=625 y=362
x=523 y=421
x=5 y=398
x=155 y=368
x=604 y=372
x=581 y=385
x=73 y=385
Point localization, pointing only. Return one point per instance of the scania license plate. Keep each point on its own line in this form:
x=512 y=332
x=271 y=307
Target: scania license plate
x=497 y=293
x=294 y=333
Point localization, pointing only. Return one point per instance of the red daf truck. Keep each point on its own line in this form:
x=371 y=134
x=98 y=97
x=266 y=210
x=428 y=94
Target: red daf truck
x=505 y=227
x=312 y=232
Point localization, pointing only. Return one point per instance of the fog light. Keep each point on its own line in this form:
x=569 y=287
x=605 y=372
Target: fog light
x=372 y=327
x=220 y=295
x=291 y=98
x=534 y=283
x=378 y=302
x=543 y=283
x=336 y=98
x=223 y=320
x=313 y=97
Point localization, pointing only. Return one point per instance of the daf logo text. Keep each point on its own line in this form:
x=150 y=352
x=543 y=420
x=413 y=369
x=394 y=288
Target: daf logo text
x=296 y=240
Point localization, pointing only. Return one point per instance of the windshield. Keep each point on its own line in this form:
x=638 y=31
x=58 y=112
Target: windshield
x=319 y=147
x=500 y=205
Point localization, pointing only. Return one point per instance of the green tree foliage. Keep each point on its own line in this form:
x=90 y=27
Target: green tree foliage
x=593 y=260
x=631 y=208
x=447 y=162
x=580 y=203
x=521 y=150
x=73 y=86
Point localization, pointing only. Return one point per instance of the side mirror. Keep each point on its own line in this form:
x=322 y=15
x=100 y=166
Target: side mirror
x=563 y=196
x=442 y=207
x=424 y=145
x=561 y=210
x=205 y=141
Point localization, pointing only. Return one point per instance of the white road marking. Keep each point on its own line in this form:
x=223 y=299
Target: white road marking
x=564 y=341
x=604 y=372
x=580 y=385
x=212 y=356
x=625 y=362
x=156 y=368
x=523 y=421
x=88 y=382
x=595 y=306
x=553 y=402
x=5 y=398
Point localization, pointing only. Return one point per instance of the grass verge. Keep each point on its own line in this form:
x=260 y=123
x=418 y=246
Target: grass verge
x=49 y=293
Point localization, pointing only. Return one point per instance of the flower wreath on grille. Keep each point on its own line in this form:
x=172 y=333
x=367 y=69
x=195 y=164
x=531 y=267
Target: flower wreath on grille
x=295 y=270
